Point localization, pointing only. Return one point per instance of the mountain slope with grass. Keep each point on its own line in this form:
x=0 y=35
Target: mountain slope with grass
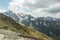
x=9 y=24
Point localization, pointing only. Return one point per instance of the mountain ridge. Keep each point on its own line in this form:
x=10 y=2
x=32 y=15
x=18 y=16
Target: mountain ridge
x=10 y=24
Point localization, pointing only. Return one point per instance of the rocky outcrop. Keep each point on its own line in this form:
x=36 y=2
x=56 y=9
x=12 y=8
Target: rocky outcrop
x=9 y=35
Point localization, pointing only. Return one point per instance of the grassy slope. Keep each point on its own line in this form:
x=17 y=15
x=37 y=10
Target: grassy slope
x=10 y=24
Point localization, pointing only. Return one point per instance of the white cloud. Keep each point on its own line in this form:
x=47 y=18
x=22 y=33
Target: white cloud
x=52 y=11
x=55 y=8
x=2 y=10
x=36 y=7
x=32 y=1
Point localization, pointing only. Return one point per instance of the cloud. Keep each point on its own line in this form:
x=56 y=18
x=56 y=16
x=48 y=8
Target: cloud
x=2 y=10
x=40 y=3
x=55 y=8
x=37 y=8
x=52 y=11
x=33 y=3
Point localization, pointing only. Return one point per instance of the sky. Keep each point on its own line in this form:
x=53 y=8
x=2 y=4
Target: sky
x=37 y=8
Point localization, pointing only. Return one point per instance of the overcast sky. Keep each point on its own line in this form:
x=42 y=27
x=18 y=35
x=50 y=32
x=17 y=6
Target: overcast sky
x=37 y=8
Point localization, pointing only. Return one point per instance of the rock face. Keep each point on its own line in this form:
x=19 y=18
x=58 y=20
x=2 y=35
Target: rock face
x=9 y=35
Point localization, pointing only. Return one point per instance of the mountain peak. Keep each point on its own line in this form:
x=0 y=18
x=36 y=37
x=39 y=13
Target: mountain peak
x=9 y=11
x=12 y=15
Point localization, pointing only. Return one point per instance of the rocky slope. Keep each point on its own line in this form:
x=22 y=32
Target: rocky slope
x=9 y=35
x=9 y=24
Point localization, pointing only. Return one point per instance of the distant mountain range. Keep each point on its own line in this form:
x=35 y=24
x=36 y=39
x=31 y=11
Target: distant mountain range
x=47 y=25
x=7 y=23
